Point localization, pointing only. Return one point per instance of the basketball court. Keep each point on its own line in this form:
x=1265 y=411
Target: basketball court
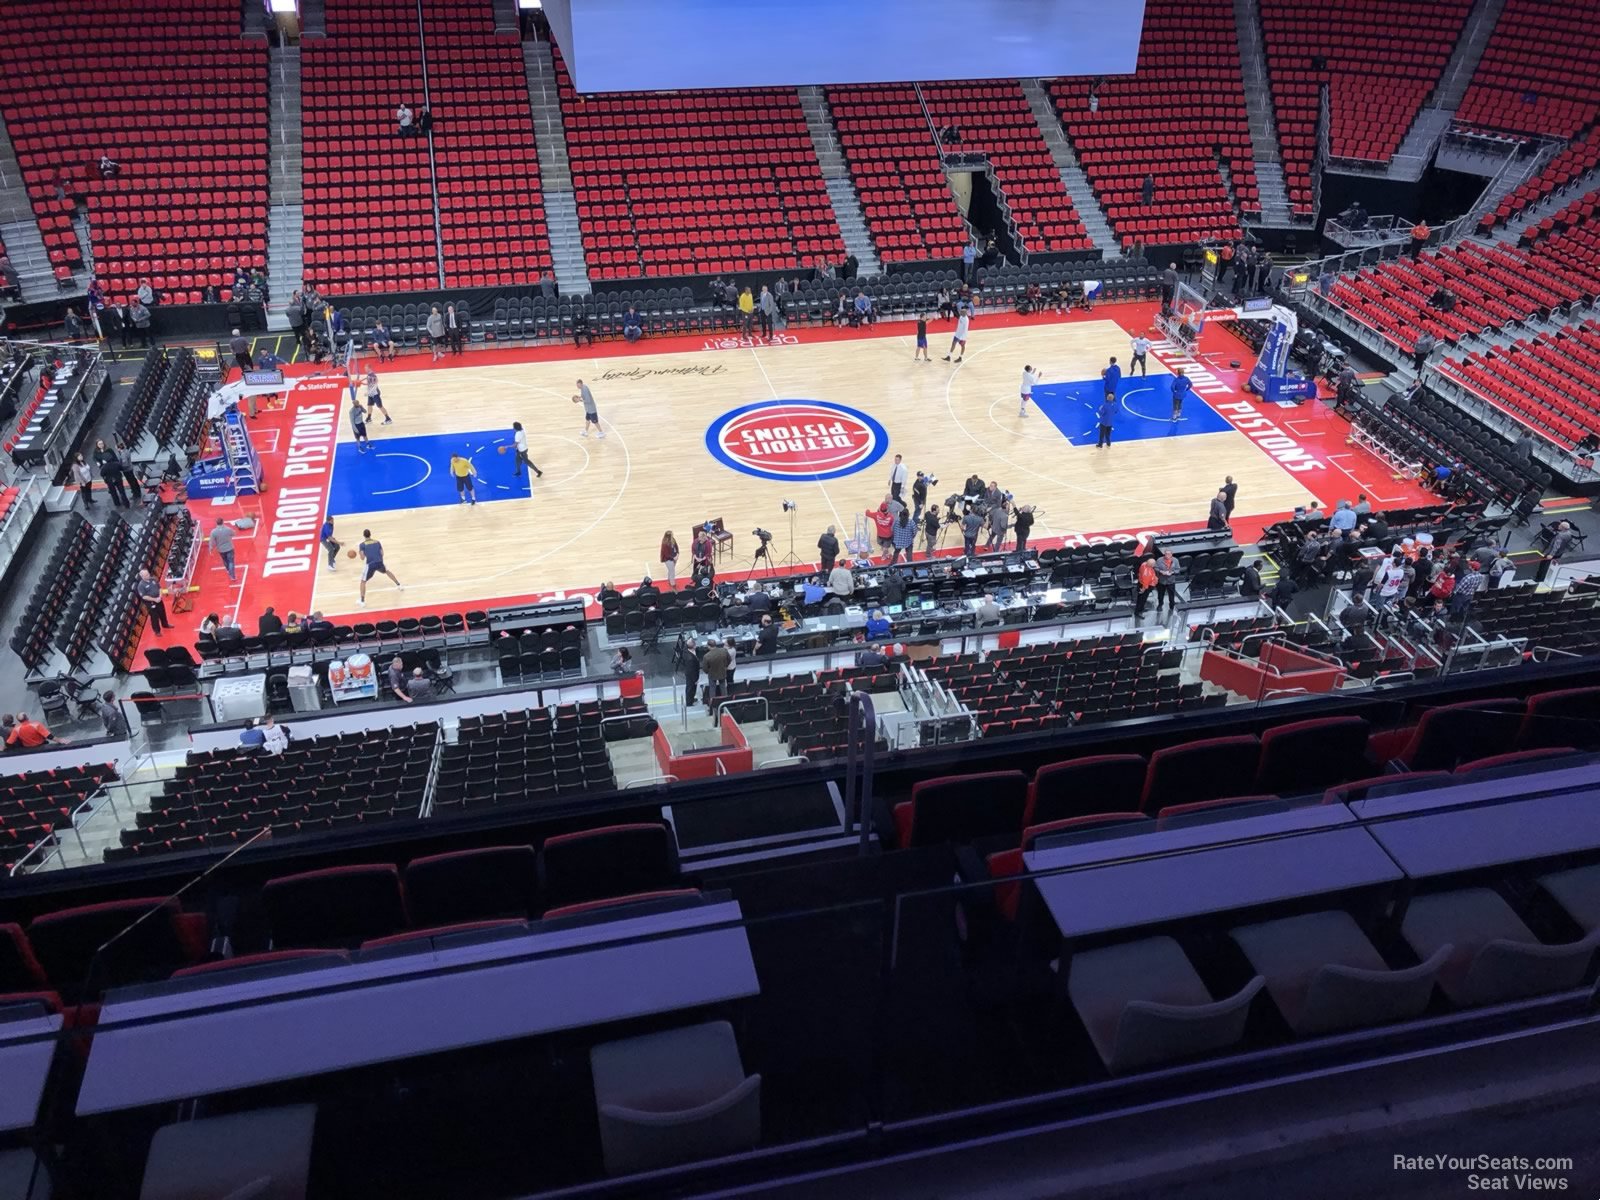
x=722 y=427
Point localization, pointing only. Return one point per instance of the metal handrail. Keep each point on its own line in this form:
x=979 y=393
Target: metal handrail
x=766 y=709
x=650 y=779
x=797 y=760
x=49 y=839
x=1533 y=653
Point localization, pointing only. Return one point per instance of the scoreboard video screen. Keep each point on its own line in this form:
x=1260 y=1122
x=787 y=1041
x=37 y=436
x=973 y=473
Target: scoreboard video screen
x=652 y=45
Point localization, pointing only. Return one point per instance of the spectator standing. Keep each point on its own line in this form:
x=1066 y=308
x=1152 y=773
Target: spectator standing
x=1023 y=526
x=715 y=664
x=112 y=471
x=221 y=539
x=1230 y=492
x=84 y=478
x=139 y=317
x=1217 y=518
x=897 y=478
x=767 y=308
x=1420 y=233
x=240 y=345
x=1145 y=580
x=149 y=593
x=405 y=120
x=828 y=548
x=436 y=333
x=1147 y=190
x=146 y=293
x=905 y=536
x=969 y=259
x=999 y=519
x=921 y=351
x=1167 y=572
x=1169 y=287
x=747 y=308
x=1560 y=542
x=295 y=313
x=689 y=664
x=767 y=637
x=971 y=526
x=455 y=329
x=1389 y=580
x=669 y=559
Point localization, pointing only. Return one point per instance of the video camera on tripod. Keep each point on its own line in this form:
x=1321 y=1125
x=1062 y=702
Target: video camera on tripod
x=763 y=534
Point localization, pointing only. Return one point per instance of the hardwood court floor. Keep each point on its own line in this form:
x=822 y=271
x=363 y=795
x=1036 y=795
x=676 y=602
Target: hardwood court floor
x=603 y=503
x=600 y=509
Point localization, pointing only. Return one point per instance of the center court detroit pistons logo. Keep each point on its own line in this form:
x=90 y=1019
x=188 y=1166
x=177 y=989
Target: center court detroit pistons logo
x=796 y=440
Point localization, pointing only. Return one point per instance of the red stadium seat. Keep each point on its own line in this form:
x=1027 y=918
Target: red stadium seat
x=958 y=808
x=1204 y=770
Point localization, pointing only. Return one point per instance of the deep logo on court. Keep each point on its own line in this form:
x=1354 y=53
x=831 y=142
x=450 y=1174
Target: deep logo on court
x=796 y=439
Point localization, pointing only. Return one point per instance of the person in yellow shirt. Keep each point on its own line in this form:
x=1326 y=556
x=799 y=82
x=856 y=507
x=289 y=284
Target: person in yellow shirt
x=747 y=307
x=465 y=474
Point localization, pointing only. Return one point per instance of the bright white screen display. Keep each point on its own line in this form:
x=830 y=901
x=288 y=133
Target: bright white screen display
x=664 y=45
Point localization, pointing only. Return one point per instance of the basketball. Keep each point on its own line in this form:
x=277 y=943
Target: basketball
x=349 y=553
x=500 y=450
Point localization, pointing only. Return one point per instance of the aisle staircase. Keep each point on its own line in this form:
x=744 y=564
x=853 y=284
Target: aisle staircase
x=19 y=230
x=555 y=171
x=836 y=178
x=285 y=218
x=1072 y=176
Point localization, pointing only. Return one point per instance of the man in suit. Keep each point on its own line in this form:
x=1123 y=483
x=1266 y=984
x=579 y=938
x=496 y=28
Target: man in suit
x=897 y=477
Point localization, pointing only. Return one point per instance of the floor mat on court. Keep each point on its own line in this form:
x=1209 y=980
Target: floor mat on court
x=722 y=426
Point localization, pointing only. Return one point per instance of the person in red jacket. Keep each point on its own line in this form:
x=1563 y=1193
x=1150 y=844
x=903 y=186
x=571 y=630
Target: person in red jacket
x=882 y=519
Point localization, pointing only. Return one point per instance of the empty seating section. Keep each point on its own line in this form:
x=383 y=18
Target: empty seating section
x=1540 y=72
x=171 y=93
x=1565 y=619
x=35 y=804
x=536 y=754
x=687 y=183
x=1380 y=60
x=995 y=120
x=1572 y=163
x=1178 y=117
x=491 y=208
x=1428 y=428
x=1550 y=383
x=368 y=195
x=1107 y=677
x=894 y=162
x=1494 y=285
x=220 y=798
x=47 y=604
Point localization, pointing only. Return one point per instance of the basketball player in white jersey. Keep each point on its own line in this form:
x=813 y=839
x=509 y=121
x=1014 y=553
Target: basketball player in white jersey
x=1029 y=378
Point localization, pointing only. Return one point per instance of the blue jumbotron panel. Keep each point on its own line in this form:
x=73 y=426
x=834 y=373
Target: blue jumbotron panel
x=1144 y=410
x=414 y=472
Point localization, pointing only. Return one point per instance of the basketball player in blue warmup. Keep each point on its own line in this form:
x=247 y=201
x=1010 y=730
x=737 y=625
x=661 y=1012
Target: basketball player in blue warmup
x=372 y=556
